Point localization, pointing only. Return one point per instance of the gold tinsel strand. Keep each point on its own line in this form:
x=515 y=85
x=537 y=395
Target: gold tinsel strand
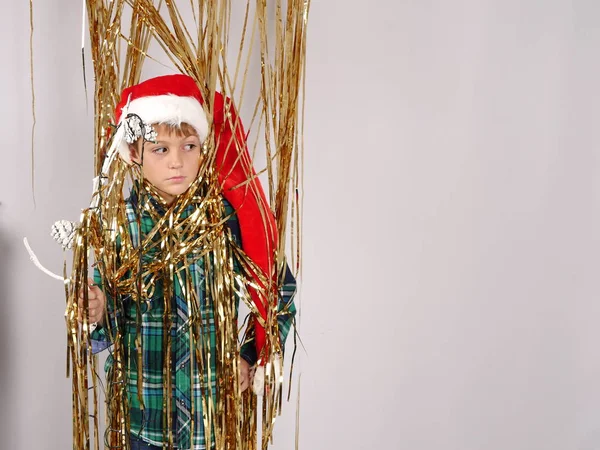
x=34 y=120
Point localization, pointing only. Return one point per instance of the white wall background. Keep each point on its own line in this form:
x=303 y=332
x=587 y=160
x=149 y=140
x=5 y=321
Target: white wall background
x=452 y=205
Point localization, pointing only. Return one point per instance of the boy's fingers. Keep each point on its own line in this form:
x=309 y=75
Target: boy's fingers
x=93 y=292
x=94 y=303
x=95 y=289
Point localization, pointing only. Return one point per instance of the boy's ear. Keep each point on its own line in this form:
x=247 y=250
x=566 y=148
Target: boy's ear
x=134 y=153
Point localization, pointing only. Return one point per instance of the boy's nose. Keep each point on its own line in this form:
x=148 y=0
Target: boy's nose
x=175 y=161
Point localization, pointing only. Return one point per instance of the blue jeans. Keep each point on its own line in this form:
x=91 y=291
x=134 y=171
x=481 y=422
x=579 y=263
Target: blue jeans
x=138 y=444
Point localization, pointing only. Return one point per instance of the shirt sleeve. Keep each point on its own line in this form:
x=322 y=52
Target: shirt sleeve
x=286 y=309
x=286 y=313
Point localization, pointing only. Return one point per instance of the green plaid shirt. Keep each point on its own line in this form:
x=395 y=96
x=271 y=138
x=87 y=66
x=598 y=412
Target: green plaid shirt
x=147 y=423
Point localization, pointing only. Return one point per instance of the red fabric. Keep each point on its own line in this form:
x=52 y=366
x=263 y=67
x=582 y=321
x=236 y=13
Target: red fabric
x=259 y=236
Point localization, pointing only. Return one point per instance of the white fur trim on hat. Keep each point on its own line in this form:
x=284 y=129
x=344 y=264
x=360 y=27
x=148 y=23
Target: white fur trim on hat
x=167 y=109
x=276 y=364
x=258 y=384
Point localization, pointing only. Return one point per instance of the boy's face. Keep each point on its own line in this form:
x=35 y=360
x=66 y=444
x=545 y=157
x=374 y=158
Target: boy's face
x=171 y=164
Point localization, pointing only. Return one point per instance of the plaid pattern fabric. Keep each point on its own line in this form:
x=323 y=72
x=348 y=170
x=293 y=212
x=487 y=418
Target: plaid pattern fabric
x=147 y=421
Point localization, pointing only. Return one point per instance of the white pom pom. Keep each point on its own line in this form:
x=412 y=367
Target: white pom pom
x=258 y=385
x=63 y=232
x=278 y=368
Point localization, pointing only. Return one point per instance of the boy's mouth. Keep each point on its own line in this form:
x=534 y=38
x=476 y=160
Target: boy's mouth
x=177 y=179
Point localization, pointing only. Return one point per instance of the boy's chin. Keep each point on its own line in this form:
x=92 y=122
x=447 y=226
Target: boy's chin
x=176 y=192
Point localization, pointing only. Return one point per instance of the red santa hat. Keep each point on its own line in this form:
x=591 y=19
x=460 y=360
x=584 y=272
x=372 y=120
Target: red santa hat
x=171 y=100
x=176 y=99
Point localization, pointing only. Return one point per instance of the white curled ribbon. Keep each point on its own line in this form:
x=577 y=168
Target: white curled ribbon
x=38 y=264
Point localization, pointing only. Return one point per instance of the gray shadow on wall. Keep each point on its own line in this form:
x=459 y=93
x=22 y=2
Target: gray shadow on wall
x=591 y=440
x=7 y=419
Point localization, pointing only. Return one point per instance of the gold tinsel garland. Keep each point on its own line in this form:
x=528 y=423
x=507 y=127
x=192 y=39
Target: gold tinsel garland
x=103 y=237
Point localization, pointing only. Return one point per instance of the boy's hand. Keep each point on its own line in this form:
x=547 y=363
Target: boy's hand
x=96 y=302
x=246 y=374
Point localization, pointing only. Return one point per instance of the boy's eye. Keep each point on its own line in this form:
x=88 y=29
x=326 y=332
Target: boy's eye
x=159 y=150
x=189 y=147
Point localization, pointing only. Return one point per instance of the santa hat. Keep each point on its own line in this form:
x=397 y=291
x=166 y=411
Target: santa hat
x=171 y=100
x=176 y=99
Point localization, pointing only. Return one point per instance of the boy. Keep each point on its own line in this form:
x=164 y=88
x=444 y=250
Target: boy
x=190 y=243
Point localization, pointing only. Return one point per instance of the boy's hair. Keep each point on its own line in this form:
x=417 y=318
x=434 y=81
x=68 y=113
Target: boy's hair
x=182 y=130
